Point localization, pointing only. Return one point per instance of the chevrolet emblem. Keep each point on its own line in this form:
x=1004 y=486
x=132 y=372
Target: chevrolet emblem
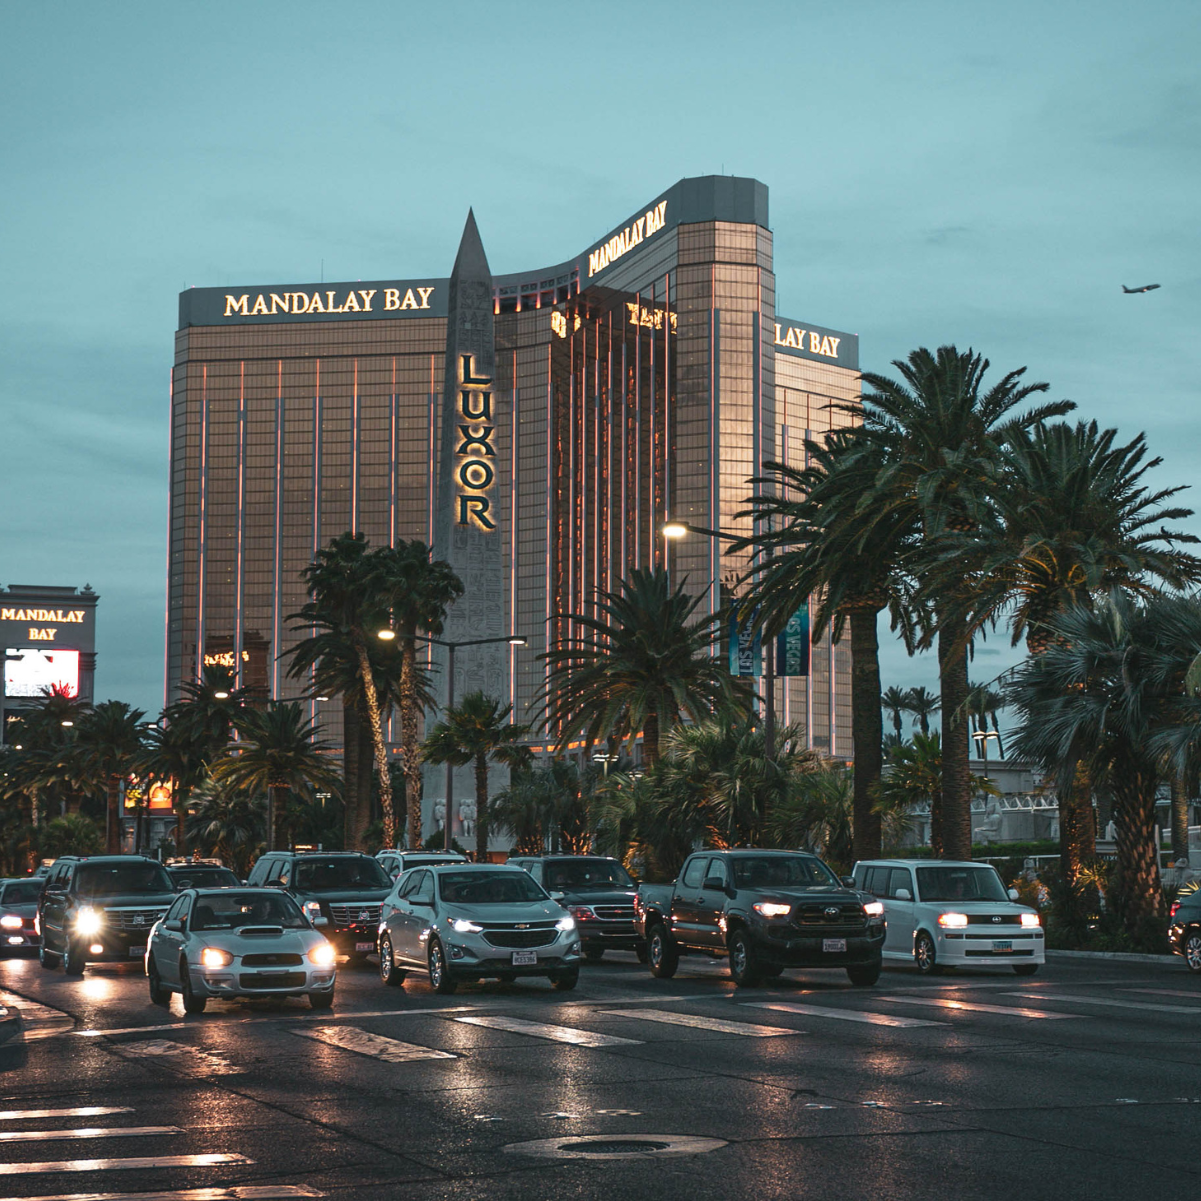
x=522 y=926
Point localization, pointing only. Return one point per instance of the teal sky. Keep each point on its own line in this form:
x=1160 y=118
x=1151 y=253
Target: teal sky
x=938 y=173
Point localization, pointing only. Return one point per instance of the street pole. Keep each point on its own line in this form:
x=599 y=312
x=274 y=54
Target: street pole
x=450 y=767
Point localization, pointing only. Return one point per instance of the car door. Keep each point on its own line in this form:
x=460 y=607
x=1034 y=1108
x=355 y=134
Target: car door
x=898 y=912
x=54 y=906
x=166 y=944
x=686 y=901
x=408 y=919
x=711 y=903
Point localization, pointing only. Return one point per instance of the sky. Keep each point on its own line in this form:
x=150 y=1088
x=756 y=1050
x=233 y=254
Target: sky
x=939 y=172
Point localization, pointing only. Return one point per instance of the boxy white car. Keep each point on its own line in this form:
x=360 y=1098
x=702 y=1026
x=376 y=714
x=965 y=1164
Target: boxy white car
x=951 y=913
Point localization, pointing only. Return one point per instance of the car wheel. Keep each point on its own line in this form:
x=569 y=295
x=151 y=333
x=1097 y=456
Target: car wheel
x=662 y=954
x=191 y=1002
x=566 y=981
x=640 y=951
x=594 y=954
x=864 y=977
x=744 y=966
x=48 y=959
x=73 y=960
x=389 y=973
x=321 y=1000
x=1192 y=950
x=924 y=956
x=440 y=978
x=1028 y=969
x=158 y=994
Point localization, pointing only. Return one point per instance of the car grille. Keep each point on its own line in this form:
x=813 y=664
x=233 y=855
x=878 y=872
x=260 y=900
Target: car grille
x=279 y=980
x=357 y=916
x=279 y=959
x=132 y=919
x=994 y=919
x=614 y=913
x=537 y=936
x=815 y=914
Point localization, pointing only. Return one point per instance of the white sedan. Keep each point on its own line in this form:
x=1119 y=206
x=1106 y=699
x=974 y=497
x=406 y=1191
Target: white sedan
x=245 y=942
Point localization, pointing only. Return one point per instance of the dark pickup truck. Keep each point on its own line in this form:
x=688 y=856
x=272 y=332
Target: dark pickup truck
x=766 y=910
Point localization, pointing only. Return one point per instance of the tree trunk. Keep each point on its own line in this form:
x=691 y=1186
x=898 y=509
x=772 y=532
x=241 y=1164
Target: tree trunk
x=352 y=822
x=181 y=813
x=271 y=819
x=1179 y=818
x=867 y=732
x=114 y=815
x=1140 y=892
x=1077 y=825
x=409 y=742
x=956 y=769
x=481 y=809
x=366 y=784
x=377 y=737
x=650 y=740
x=277 y=818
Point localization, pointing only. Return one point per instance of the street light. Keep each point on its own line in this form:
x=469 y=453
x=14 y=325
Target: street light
x=222 y=695
x=981 y=738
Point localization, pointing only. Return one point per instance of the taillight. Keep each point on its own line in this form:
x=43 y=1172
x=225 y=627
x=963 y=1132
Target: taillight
x=1172 y=911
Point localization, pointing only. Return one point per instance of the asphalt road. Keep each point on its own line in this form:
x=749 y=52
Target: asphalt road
x=1084 y=1081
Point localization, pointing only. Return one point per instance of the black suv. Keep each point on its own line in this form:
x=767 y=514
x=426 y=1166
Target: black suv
x=346 y=887
x=99 y=909
x=1184 y=933
x=598 y=892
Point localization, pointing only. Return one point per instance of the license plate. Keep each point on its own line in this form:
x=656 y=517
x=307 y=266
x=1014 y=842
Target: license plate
x=364 y=946
x=1002 y=946
x=525 y=958
x=834 y=944
x=136 y=952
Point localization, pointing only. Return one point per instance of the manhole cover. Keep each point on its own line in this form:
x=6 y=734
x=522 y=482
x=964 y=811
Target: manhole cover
x=607 y=1146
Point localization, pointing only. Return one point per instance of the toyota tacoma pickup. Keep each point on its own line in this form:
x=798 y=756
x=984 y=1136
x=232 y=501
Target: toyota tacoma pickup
x=765 y=910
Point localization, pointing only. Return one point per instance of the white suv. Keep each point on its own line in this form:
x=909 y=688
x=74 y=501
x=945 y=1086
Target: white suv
x=951 y=913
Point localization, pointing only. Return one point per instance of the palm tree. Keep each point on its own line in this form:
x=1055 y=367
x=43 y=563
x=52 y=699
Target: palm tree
x=895 y=701
x=173 y=754
x=546 y=807
x=640 y=665
x=939 y=433
x=478 y=731
x=111 y=743
x=227 y=823
x=982 y=706
x=276 y=754
x=923 y=704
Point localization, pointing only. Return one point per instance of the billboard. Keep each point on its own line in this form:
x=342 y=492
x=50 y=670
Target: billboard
x=30 y=671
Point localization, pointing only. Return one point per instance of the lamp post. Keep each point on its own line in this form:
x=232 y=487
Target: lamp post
x=981 y=738
x=388 y=635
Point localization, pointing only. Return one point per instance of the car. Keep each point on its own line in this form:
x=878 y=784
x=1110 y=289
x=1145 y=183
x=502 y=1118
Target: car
x=1184 y=930
x=598 y=892
x=245 y=942
x=952 y=913
x=766 y=911
x=201 y=875
x=100 y=909
x=395 y=862
x=18 y=913
x=345 y=887
x=471 y=921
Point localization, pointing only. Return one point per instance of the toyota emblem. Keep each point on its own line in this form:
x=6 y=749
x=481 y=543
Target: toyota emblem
x=831 y=911
x=998 y=919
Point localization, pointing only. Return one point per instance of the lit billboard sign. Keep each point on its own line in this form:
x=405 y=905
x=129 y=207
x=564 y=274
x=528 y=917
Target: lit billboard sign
x=30 y=671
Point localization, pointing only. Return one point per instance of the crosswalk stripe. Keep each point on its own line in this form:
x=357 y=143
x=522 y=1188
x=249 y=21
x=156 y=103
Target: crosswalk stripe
x=215 y=1065
x=975 y=1007
x=236 y=1192
x=1167 y=992
x=718 y=1025
x=842 y=1015
x=1075 y=999
x=121 y=1165
x=390 y=1050
x=133 y=1030
x=35 y=1136
x=37 y=1020
x=78 y=1111
x=558 y=1034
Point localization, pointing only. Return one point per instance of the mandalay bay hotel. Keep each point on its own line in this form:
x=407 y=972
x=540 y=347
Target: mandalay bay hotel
x=537 y=428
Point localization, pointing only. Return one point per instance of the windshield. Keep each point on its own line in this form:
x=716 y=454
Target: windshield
x=233 y=910
x=110 y=880
x=25 y=893
x=782 y=871
x=329 y=875
x=205 y=877
x=960 y=884
x=489 y=888
x=587 y=873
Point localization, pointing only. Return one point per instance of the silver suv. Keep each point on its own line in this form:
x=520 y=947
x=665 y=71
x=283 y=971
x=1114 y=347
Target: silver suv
x=396 y=862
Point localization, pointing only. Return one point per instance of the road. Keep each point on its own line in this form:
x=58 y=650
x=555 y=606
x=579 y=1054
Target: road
x=1083 y=1082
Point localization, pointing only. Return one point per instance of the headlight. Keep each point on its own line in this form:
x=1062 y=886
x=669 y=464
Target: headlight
x=1031 y=919
x=88 y=921
x=215 y=957
x=955 y=920
x=565 y=923
x=461 y=925
x=312 y=910
x=581 y=913
x=323 y=955
x=10 y=921
x=874 y=909
x=771 y=909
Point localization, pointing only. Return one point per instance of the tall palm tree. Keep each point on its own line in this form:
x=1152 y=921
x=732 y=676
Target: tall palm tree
x=639 y=666
x=478 y=731
x=173 y=754
x=982 y=707
x=923 y=704
x=939 y=431
x=227 y=823
x=277 y=754
x=895 y=702
x=111 y=743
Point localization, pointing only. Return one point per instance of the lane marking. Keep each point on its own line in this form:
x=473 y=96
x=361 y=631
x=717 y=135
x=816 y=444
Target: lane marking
x=39 y=1136
x=718 y=1025
x=237 y=1192
x=38 y=1020
x=977 y=1007
x=121 y=1165
x=135 y=1029
x=1167 y=992
x=79 y=1111
x=558 y=1034
x=1075 y=999
x=390 y=1050
x=162 y=1047
x=842 y=1015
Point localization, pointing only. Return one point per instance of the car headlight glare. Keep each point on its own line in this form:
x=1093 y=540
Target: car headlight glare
x=772 y=909
x=952 y=920
x=10 y=921
x=1031 y=919
x=215 y=957
x=462 y=925
x=323 y=955
x=874 y=908
x=88 y=921
x=565 y=923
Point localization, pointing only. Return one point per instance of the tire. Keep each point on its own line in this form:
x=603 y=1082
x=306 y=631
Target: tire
x=321 y=1000
x=73 y=960
x=640 y=951
x=662 y=954
x=389 y=973
x=1192 y=950
x=440 y=978
x=594 y=954
x=566 y=981
x=925 y=957
x=864 y=977
x=744 y=963
x=48 y=959
x=158 y=994
x=191 y=1002
x=1028 y=969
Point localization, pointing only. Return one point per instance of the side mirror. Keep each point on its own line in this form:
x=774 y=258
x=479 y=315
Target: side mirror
x=849 y=881
x=173 y=924
x=320 y=920
x=1014 y=895
x=557 y=896
x=902 y=894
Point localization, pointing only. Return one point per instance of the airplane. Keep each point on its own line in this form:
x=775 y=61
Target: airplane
x=1144 y=288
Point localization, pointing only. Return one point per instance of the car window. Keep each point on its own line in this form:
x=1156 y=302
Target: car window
x=115 y=879
x=535 y=870
x=694 y=872
x=960 y=884
x=24 y=892
x=204 y=877
x=782 y=871
x=585 y=873
x=333 y=874
x=258 y=873
x=422 y=888
x=176 y=910
x=505 y=886
x=898 y=879
x=232 y=910
x=715 y=868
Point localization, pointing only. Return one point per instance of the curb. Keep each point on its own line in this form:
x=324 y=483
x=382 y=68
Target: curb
x=10 y=1024
x=1118 y=956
